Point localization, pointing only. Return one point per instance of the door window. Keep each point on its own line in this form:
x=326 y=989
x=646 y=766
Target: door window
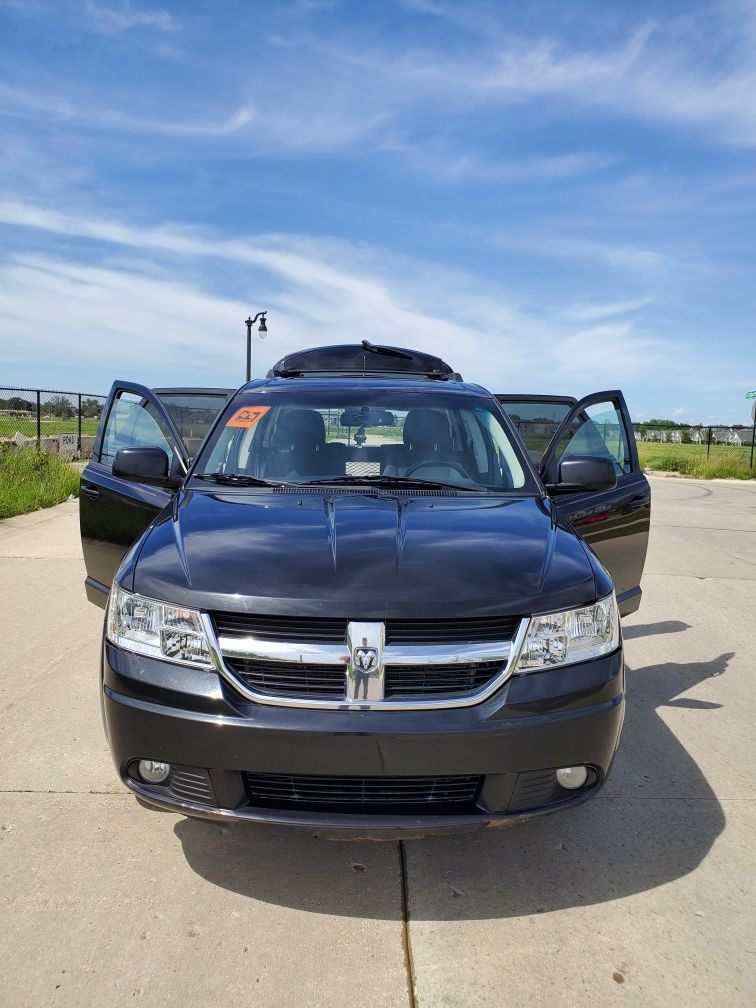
x=598 y=430
x=133 y=422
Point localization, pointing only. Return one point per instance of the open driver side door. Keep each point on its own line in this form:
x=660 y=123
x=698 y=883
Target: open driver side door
x=114 y=512
x=615 y=523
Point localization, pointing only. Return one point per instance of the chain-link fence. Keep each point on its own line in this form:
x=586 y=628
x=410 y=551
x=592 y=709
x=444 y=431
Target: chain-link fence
x=713 y=450
x=51 y=419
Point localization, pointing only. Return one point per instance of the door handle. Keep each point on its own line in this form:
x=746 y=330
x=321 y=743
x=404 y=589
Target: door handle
x=90 y=491
x=636 y=503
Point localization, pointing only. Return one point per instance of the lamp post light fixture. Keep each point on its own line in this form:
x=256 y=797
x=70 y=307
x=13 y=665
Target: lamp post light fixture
x=262 y=330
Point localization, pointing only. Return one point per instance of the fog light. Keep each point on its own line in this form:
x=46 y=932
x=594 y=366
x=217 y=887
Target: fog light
x=572 y=777
x=153 y=771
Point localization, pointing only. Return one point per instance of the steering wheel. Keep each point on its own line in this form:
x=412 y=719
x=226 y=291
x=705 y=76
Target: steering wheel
x=429 y=462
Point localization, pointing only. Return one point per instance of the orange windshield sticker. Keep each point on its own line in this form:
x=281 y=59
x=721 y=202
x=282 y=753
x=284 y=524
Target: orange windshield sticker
x=248 y=416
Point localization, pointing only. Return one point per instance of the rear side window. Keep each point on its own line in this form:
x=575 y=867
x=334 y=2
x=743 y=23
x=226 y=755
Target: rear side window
x=133 y=422
x=536 y=423
x=193 y=414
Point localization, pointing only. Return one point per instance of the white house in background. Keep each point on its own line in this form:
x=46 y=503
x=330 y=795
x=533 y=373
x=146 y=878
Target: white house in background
x=733 y=438
x=675 y=437
x=697 y=436
x=662 y=436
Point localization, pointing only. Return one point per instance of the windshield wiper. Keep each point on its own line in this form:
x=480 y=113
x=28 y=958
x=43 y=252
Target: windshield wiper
x=239 y=479
x=386 y=481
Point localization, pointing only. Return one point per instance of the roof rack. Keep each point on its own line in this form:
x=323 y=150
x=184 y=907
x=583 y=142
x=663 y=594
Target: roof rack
x=364 y=360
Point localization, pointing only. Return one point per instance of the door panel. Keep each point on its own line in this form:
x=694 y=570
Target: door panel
x=614 y=523
x=114 y=512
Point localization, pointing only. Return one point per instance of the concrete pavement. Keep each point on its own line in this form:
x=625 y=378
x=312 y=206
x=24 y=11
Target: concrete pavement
x=642 y=896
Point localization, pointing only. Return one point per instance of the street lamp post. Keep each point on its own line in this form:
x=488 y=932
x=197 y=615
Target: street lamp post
x=262 y=329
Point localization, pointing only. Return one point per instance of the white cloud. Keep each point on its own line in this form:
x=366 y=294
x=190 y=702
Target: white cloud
x=612 y=350
x=348 y=90
x=603 y=310
x=561 y=242
x=452 y=163
x=654 y=73
x=17 y=102
x=317 y=291
x=124 y=16
x=105 y=19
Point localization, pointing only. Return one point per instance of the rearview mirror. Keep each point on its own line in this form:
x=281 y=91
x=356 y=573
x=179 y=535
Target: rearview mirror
x=367 y=418
x=584 y=472
x=142 y=465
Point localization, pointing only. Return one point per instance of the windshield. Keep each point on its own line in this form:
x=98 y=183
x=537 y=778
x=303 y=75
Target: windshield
x=343 y=435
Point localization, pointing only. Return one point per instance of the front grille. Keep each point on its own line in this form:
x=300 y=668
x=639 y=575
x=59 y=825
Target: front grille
x=318 y=630
x=290 y=678
x=439 y=680
x=327 y=629
x=267 y=675
x=363 y=794
x=472 y=630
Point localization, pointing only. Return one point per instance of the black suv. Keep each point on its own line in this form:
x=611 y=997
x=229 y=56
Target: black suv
x=363 y=595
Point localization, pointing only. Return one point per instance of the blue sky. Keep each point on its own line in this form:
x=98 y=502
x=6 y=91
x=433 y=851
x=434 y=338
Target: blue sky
x=556 y=197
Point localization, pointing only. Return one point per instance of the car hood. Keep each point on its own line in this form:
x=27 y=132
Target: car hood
x=362 y=556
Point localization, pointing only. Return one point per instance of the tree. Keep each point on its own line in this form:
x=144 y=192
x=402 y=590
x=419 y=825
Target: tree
x=60 y=406
x=91 y=408
x=17 y=403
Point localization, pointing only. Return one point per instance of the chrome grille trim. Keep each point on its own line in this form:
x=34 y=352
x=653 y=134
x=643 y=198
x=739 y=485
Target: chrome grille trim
x=449 y=654
x=252 y=649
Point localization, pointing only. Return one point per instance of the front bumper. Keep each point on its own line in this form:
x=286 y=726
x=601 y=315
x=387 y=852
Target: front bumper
x=192 y=719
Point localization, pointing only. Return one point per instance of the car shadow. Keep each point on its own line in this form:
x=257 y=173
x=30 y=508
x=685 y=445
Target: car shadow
x=655 y=821
x=651 y=629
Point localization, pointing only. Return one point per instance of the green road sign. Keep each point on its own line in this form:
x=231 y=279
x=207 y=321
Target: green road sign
x=751 y=395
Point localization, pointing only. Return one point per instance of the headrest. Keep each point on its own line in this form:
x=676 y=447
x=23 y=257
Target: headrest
x=301 y=428
x=427 y=429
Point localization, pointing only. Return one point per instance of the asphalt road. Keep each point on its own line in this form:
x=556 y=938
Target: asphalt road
x=642 y=896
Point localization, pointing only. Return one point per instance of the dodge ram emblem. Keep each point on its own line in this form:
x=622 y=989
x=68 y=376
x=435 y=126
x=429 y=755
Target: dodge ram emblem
x=364 y=677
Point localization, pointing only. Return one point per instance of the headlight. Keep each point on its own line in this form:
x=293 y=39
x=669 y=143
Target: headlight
x=571 y=636
x=158 y=629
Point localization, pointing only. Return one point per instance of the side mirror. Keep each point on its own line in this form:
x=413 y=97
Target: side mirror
x=142 y=465
x=584 y=472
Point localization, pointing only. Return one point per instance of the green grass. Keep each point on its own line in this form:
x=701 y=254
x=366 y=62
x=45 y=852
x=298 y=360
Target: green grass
x=30 y=480
x=723 y=461
x=9 y=426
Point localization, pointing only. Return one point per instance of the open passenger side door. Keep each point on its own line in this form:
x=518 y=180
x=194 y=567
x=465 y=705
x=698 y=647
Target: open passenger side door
x=614 y=522
x=115 y=511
